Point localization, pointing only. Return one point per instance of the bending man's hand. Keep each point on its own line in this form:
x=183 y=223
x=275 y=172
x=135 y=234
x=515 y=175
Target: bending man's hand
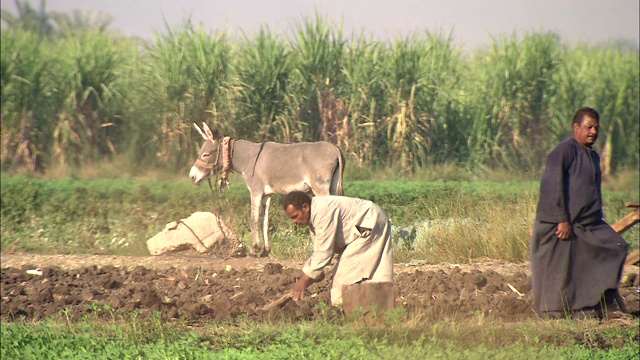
x=301 y=285
x=563 y=232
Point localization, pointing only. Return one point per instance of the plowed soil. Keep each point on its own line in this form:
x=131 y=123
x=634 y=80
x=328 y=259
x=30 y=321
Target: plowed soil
x=201 y=288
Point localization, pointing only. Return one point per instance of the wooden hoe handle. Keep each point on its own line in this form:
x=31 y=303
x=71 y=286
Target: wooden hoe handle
x=278 y=303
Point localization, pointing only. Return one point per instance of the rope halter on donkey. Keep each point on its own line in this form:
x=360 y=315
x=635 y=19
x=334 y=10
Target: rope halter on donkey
x=227 y=155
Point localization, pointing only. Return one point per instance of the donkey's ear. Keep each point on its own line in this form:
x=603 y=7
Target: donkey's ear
x=200 y=131
x=208 y=131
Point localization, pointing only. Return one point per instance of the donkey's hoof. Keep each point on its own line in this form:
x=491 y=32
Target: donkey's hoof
x=255 y=250
x=253 y=254
x=265 y=253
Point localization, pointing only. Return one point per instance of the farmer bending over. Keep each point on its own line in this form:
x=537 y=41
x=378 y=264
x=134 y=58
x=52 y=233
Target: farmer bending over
x=358 y=230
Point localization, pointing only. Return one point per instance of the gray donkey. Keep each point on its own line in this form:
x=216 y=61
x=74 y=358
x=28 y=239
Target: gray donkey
x=270 y=168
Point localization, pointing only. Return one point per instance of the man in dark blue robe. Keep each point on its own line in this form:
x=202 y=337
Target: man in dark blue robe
x=576 y=257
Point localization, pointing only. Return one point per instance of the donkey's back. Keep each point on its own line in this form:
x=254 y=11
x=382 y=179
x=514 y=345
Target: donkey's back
x=315 y=167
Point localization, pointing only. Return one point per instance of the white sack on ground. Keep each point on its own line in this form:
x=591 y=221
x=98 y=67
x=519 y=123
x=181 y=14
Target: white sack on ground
x=201 y=231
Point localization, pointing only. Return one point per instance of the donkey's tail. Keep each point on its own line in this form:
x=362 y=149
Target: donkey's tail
x=338 y=174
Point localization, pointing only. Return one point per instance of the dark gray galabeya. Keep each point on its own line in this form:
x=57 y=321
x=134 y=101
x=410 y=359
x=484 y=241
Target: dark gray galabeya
x=270 y=168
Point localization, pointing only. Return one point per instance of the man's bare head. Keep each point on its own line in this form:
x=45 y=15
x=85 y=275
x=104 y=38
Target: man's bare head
x=297 y=205
x=586 y=125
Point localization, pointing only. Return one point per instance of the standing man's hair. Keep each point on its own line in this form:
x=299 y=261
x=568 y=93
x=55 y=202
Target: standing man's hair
x=585 y=111
x=297 y=199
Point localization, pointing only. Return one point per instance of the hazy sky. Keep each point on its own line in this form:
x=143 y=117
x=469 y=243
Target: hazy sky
x=472 y=22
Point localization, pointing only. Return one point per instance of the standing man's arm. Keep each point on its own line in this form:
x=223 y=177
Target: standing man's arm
x=553 y=207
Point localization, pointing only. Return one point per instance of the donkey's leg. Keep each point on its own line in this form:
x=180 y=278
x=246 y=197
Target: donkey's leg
x=255 y=219
x=266 y=201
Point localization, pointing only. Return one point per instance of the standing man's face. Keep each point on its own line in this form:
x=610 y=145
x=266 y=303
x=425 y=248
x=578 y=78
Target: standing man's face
x=586 y=133
x=299 y=216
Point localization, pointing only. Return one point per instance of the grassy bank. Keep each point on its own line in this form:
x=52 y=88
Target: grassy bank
x=439 y=221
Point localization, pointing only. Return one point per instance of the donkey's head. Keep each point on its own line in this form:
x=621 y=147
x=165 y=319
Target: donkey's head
x=208 y=162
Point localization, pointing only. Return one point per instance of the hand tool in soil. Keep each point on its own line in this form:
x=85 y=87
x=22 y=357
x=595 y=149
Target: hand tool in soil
x=282 y=301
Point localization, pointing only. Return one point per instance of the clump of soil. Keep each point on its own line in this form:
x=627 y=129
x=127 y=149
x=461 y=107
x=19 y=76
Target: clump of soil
x=201 y=289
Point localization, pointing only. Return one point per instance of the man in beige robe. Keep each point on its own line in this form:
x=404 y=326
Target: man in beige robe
x=356 y=229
